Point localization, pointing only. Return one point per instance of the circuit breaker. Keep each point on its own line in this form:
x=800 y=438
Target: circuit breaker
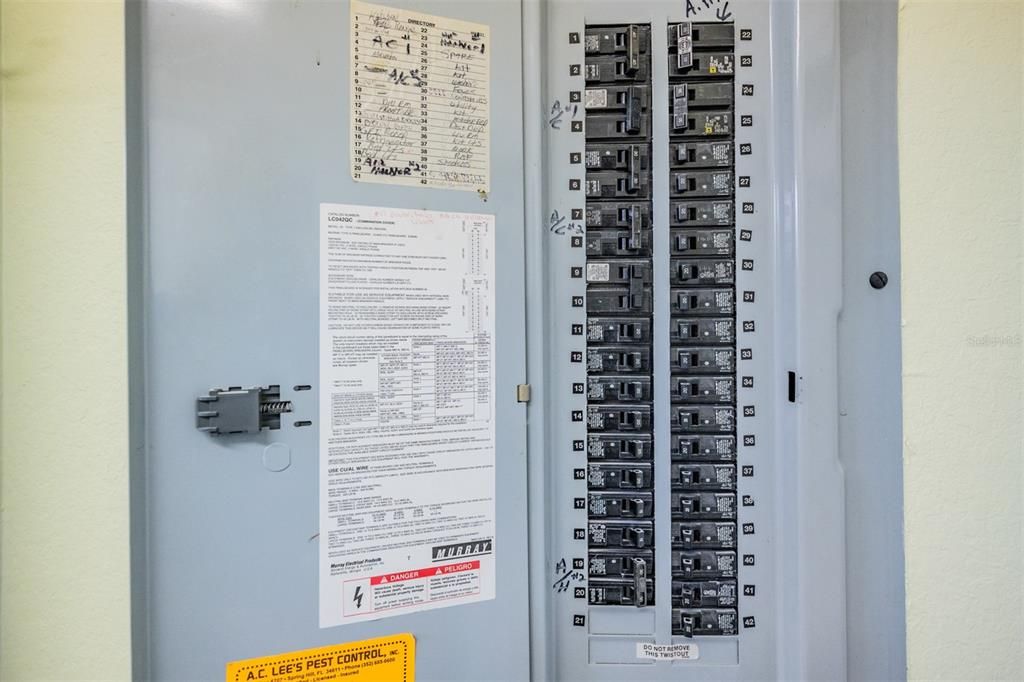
x=545 y=332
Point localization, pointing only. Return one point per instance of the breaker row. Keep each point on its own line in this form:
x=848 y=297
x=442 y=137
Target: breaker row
x=618 y=193
x=703 y=498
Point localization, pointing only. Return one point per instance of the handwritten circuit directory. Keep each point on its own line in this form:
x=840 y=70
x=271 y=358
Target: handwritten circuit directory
x=420 y=93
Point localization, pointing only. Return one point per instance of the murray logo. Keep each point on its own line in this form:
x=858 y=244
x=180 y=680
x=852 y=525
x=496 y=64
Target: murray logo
x=461 y=549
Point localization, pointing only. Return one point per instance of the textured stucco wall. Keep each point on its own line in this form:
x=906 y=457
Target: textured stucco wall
x=64 y=568
x=961 y=143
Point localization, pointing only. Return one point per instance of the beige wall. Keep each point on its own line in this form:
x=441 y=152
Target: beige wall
x=64 y=555
x=64 y=611
x=961 y=178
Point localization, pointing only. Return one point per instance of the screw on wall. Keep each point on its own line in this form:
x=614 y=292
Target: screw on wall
x=878 y=280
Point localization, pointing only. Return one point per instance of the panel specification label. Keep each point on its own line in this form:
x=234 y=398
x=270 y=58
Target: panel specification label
x=407 y=414
x=385 y=659
x=420 y=93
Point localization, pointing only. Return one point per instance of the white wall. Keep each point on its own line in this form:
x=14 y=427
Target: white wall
x=64 y=590
x=960 y=187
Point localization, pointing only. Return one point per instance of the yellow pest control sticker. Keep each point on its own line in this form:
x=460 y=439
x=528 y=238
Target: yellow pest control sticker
x=385 y=659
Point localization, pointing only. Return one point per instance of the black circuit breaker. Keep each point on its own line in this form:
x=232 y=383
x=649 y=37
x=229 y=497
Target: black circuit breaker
x=618 y=192
x=702 y=213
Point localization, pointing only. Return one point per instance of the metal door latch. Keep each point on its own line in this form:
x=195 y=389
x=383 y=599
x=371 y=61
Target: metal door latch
x=240 y=410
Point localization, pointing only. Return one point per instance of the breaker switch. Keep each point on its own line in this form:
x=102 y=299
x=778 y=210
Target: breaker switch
x=704 y=271
x=640 y=580
x=634 y=111
x=631 y=331
x=618 y=300
x=612 y=214
x=614 y=418
x=703 y=183
x=702 y=94
x=703 y=213
x=704 y=447
x=620 y=534
x=614 y=98
x=607 y=447
x=704 y=564
x=620 y=593
x=621 y=506
x=684 y=45
x=704 y=418
x=700 y=124
x=633 y=390
x=690 y=622
x=615 y=126
x=680 y=107
x=708 y=301
x=703 y=242
x=705 y=330
x=636 y=215
x=710 y=506
x=633 y=48
x=609 y=564
x=618 y=476
x=638 y=536
x=705 y=476
x=703 y=154
x=703 y=534
x=703 y=389
x=704 y=593
x=616 y=360
x=615 y=69
x=704 y=360
x=623 y=389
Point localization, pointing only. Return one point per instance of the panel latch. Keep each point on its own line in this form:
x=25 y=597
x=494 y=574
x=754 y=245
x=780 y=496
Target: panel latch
x=523 y=393
x=240 y=410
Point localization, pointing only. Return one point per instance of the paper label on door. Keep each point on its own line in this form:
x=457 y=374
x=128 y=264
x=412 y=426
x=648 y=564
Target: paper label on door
x=420 y=90
x=385 y=659
x=407 y=414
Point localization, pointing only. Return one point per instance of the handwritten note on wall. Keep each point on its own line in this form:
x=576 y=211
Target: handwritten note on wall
x=420 y=99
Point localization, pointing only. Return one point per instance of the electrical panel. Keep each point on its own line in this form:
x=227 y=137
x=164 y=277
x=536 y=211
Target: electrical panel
x=670 y=381
x=696 y=457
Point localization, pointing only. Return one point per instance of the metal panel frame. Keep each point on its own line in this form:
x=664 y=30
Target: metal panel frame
x=839 y=471
x=870 y=395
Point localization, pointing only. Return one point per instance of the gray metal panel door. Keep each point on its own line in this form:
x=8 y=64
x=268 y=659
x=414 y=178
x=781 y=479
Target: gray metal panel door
x=243 y=113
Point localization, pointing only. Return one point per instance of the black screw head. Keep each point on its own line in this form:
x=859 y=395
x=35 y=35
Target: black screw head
x=878 y=280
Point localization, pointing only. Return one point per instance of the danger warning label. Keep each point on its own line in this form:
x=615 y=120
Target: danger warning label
x=385 y=659
x=404 y=589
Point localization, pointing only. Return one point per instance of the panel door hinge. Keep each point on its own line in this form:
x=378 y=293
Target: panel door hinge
x=523 y=393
